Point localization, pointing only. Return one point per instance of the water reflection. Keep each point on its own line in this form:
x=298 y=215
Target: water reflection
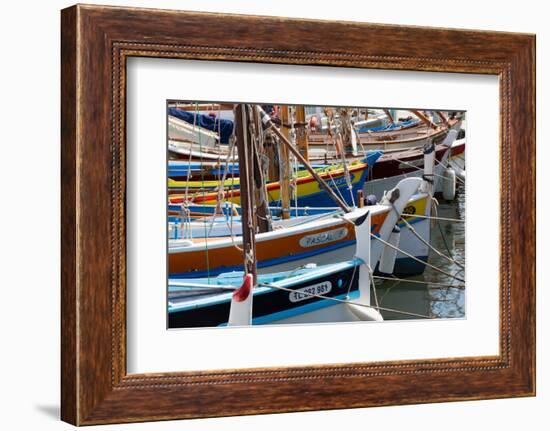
x=432 y=300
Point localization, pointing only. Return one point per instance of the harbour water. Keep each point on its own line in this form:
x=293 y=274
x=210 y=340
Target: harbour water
x=431 y=300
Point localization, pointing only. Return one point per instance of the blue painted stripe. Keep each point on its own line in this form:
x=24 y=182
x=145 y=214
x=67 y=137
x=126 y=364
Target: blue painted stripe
x=263 y=263
x=290 y=258
x=306 y=308
x=389 y=127
x=177 y=169
x=211 y=301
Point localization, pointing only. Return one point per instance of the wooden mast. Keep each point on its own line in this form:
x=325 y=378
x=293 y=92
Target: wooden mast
x=424 y=118
x=263 y=216
x=248 y=220
x=269 y=124
x=284 y=160
x=390 y=116
x=301 y=132
x=345 y=130
x=443 y=118
x=272 y=153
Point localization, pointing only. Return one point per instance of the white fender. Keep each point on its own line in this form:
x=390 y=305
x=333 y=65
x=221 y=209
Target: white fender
x=353 y=140
x=449 y=184
x=448 y=142
x=240 y=313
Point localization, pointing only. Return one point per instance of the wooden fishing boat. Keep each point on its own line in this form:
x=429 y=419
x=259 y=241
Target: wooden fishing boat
x=328 y=239
x=200 y=184
x=196 y=151
x=182 y=131
x=179 y=170
x=225 y=225
x=308 y=191
x=402 y=162
x=194 y=135
x=395 y=167
x=216 y=221
x=412 y=133
x=392 y=167
x=207 y=302
x=322 y=145
x=401 y=125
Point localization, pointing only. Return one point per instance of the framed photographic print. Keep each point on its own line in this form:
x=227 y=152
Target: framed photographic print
x=330 y=222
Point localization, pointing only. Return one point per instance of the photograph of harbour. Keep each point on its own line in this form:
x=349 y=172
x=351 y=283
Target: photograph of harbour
x=299 y=214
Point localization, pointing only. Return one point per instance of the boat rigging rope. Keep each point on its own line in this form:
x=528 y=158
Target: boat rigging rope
x=336 y=188
x=221 y=187
x=341 y=126
x=348 y=179
x=356 y=133
x=345 y=301
x=389 y=289
x=230 y=152
x=207 y=254
x=364 y=151
x=351 y=280
x=455 y=220
x=404 y=252
x=417 y=168
x=329 y=114
x=203 y=190
x=189 y=160
x=255 y=128
x=219 y=141
x=185 y=221
x=373 y=285
x=231 y=190
x=434 y=208
x=313 y=295
x=431 y=247
x=435 y=268
x=406 y=280
x=293 y=163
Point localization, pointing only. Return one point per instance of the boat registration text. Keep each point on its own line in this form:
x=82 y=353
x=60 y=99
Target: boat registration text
x=310 y=291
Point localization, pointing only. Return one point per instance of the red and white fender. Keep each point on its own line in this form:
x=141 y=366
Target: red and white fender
x=240 y=313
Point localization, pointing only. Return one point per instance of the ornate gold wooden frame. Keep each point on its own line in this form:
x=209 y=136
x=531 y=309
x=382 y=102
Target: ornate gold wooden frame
x=96 y=41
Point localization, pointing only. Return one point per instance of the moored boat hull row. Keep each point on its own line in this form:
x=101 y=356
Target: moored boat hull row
x=270 y=304
x=192 y=142
x=285 y=295
x=324 y=240
x=311 y=248
x=308 y=191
